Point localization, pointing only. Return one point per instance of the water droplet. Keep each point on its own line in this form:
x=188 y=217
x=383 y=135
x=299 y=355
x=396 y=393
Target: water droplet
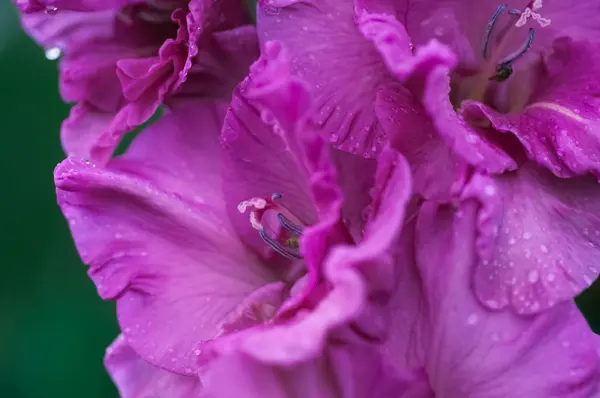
x=492 y=304
x=51 y=10
x=334 y=138
x=533 y=276
x=472 y=319
x=544 y=248
x=53 y=53
x=526 y=235
x=490 y=190
x=551 y=277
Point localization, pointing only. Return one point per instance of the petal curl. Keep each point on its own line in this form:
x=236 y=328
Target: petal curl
x=343 y=71
x=559 y=128
x=351 y=273
x=546 y=238
x=53 y=7
x=427 y=75
x=136 y=378
x=340 y=275
x=153 y=228
x=353 y=371
x=551 y=354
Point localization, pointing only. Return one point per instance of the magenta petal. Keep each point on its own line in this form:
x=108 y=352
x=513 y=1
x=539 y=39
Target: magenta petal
x=136 y=378
x=492 y=354
x=84 y=133
x=559 y=128
x=350 y=371
x=426 y=74
x=438 y=173
x=546 y=238
x=153 y=228
x=68 y=28
x=55 y=6
x=343 y=72
x=258 y=164
x=351 y=272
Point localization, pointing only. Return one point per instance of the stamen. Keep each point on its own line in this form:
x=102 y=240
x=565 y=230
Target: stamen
x=287 y=224
x=489 y=28
x=278 y=247
x=509 y=59
x=514 y=11
x=529 y=12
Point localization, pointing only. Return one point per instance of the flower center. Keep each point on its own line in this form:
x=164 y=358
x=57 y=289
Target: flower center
x=497 y=66
x=276 y=226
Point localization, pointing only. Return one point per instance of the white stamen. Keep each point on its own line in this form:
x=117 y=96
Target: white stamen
x=257 y=203
x=257 y=225
x=529 y=13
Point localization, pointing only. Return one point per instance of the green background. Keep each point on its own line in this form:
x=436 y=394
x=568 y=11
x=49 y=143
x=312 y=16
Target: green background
x=54 y=327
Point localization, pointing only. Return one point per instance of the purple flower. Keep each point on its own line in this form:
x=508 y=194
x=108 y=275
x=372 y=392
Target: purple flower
x=120 y=60
x=259 y=248
x=195 y=280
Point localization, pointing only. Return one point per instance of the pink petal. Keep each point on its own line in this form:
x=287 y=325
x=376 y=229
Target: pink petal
x=559 y=126
x=336 y=290
x=136 y=378
x=222 y=63
x=85 y=132
x=153 y=228
x=131 y=67
x=426 y=74
x=547 y=239
x=438 y=173
x=258 y=164
x=460 y=24
x=351 y=371
x=68 y=28
x=352 y=272
x=355 y=175
x=470 y=351
x=342 y=71
x=53 y=7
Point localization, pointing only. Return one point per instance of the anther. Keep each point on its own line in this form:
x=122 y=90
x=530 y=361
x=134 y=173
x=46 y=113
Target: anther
x=287 y=224
x=503 y=72
x=489 y=28
x=275 y=196
x=514 y=11
x=278 y=247
x=509 y=59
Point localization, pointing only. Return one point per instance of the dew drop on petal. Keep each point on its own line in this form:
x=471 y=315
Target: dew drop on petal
x=51 y=10
x=533 y=276
x=53 y=53
x=472 y=319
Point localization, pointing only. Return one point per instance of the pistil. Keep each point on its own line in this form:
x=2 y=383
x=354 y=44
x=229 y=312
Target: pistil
x=286 y=243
